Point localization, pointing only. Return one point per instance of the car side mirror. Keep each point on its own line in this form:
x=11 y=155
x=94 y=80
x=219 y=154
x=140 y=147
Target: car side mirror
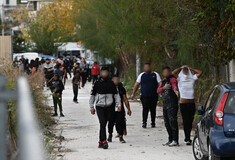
x=200 y=110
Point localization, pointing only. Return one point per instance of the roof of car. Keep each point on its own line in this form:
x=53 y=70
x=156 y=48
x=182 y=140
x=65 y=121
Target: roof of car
x=230 y=85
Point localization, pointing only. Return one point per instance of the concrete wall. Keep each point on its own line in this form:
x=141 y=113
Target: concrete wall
x=5 y=48
x=232 y=71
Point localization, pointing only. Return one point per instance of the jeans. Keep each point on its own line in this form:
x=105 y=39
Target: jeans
x=84 y=78
x=187 y=111
x=95 y=77
x=118 y=119
x=103 y=114
x=171 y=124
x=57 y=100
x=149 y=104
x=75 y=92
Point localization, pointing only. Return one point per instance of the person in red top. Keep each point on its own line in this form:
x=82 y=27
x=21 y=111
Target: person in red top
x=95 y=71
x=168 y=88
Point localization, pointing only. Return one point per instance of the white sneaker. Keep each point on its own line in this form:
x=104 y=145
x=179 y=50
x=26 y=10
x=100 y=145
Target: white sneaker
x=173 y=143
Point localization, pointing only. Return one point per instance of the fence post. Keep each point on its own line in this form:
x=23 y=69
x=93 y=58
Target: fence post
x=3 y=121
x=30 y=142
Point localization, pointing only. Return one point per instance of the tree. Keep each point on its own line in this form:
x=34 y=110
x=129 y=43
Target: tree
x=50 y=26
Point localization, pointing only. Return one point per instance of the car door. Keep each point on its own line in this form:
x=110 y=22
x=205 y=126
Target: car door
x=207 y=118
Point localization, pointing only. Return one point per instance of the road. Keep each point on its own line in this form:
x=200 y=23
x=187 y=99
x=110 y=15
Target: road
x=80 y=130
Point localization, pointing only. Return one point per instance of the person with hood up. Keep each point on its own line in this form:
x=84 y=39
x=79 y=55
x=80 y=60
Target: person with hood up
x=186 y=81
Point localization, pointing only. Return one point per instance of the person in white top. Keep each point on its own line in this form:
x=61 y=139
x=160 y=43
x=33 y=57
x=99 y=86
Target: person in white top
x=186 y=81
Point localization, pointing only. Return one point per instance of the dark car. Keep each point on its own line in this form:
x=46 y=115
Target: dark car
x=215 y=132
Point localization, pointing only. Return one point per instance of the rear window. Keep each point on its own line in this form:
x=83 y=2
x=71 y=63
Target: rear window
x=230 y=103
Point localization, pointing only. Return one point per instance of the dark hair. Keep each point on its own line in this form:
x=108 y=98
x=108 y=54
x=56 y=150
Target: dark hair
x=185 y=69
x=104 y=69
x=58 y=65
x=148 y=64
x=95 y=62
x=115 y=76
x=168 y=68
x=47 y=59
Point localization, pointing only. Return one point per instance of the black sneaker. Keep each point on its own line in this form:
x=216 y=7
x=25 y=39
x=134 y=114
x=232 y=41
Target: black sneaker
x=75 y=101
x=105 y=145
x=188 y=143
x=122 y=140
x=144 y=125
x=153 y=125
x=167 y=143
x=110 y=138
x=100 y=144
x=54 y=115
x=61 y=115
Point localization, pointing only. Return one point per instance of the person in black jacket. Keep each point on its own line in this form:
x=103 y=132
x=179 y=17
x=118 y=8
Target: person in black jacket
x=57 y=88
x=103 y=94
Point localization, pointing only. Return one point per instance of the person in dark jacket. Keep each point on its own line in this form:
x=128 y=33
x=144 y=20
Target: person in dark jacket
x=57 y=88
x=76 y=84
x=169 y=89
x=118 y=118
x=103 y=94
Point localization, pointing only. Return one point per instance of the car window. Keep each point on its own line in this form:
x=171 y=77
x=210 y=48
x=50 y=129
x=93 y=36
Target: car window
x=230 y=104
x=215 y=98
x=208 y=102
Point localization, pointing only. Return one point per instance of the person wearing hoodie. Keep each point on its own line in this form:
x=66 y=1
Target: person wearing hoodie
x=186 y=81
x=57 y=88
x=95 y=72
x=169 y=90
x=103 y=94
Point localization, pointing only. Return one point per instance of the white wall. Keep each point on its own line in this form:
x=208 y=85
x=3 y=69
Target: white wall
x=232 y=71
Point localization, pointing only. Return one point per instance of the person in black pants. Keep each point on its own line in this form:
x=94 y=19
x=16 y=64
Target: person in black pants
x=149 y=83
x=57 y=88
x=104 y=93
x=169 y=90
x=118 y=118
x=76 y=84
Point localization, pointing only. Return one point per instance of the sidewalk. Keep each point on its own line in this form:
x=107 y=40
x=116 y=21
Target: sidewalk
x=80 y=130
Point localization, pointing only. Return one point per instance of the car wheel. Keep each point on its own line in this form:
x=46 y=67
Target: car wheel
x=211 y=155
x=197 y=152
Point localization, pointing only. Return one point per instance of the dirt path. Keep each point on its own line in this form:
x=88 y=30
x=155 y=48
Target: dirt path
x=80 y=130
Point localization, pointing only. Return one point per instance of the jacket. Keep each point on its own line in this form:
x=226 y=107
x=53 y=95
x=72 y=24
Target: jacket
x=57 y=87
x=103 y=94
x=95 y=69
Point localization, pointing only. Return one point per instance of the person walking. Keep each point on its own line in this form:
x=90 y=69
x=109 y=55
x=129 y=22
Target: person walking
x=76 y=84
x=118 y=118
x=83 y=69
x=103 y=94
x=95 y=72
x=48 y=71
x=169 y=90
x=186 y=81
x=149 y=83
x=57 y=88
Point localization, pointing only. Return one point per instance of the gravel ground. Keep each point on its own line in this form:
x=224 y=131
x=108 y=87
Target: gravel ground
x=80 y=130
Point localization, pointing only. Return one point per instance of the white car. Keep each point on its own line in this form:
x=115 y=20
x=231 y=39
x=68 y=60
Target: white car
x=28 y=55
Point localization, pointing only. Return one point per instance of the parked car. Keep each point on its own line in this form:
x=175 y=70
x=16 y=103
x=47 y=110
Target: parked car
x=215 y=132
x=28 y=55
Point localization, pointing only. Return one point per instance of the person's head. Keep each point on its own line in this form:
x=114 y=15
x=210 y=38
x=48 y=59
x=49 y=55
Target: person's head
x=166 y=71
x=22 y=57
x=147 y=68
x=83 y=60
x=95 y=62
x=56 y=77
x=21 y=62
x=116 y=80
x=65 y=58
x=47 y=61
x=61 y=57
x=185 y=70
x=104 y=73
x=58 y=66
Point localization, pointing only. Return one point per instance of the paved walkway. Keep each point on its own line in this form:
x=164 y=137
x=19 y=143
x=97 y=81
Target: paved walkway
x=80 y=130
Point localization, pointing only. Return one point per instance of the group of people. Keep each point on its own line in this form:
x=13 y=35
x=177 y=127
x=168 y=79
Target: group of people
x=108 y=97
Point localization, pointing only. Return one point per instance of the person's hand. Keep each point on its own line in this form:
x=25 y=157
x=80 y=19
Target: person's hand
x=132 y=96
x=184 y=66
x=177 y=93
x=92 y=111
x=129 y=112
x=166 y=87
x=119 y=109
x=58 y=94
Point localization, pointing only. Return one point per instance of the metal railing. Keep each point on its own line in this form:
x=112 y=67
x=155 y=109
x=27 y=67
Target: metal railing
x=29 y=137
